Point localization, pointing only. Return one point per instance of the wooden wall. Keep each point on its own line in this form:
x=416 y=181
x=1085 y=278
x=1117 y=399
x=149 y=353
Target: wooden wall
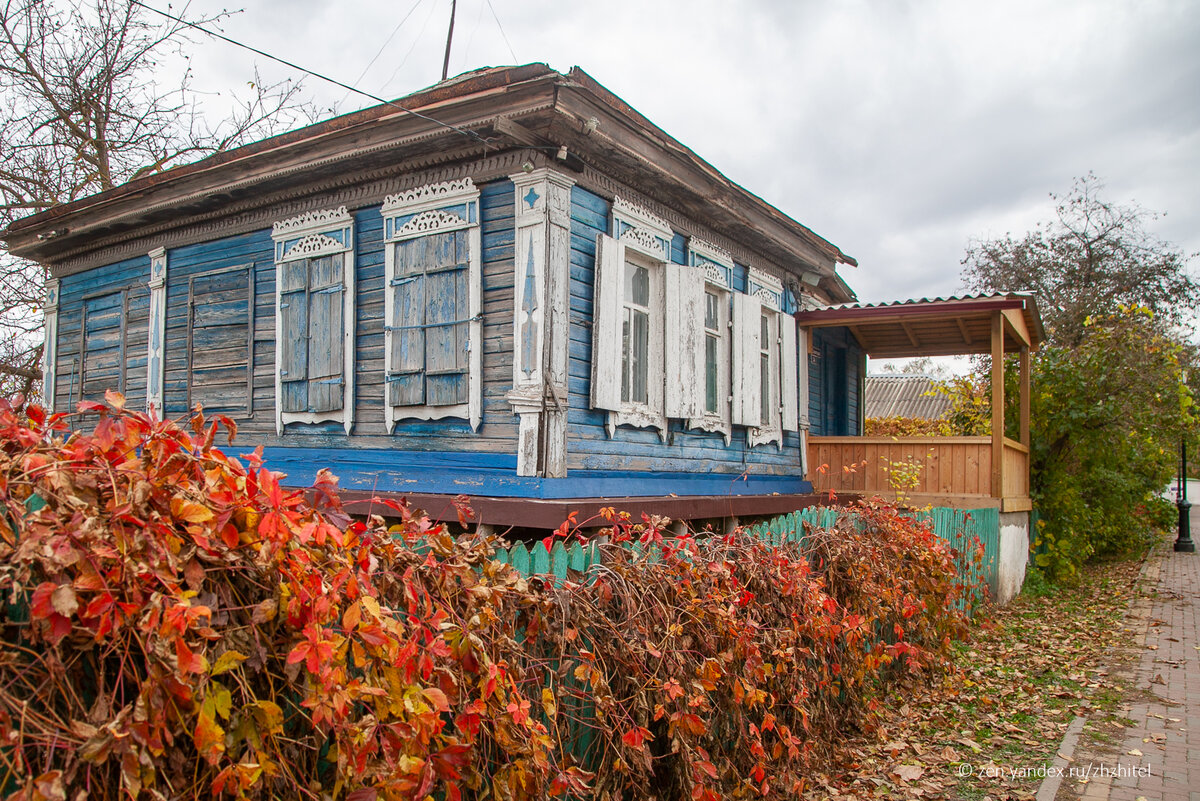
x=829 y=344
x=222 y=325
x=115 y=301
x=686 y=450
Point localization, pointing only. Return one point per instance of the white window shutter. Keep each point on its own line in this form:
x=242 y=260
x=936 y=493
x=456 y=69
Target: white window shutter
x=685 y=341
x=606 y=323
x=747 y=400
x=789 y=378
x=802 y=378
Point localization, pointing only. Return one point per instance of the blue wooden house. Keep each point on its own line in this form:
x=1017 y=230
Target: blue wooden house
x=511 y=286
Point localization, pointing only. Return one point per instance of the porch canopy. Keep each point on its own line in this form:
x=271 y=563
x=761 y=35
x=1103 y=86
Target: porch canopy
x=957 y=470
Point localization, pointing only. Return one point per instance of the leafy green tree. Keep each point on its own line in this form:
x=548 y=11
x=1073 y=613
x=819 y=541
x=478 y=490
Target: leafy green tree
x=1094 y=258
x=1110 y=402
x=1107 y=419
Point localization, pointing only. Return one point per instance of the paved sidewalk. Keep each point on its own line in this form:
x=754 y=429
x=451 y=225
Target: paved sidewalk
x=1162 y=748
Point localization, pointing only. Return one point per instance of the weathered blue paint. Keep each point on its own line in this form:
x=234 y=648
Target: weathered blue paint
x=641 y=450
x=679 y=249
x=125 y=278
x=835 y=371
x=437 y=456
x=494 y=475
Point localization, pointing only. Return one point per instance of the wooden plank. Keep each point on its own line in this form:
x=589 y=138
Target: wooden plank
x=997 y=403
x=1025 y=395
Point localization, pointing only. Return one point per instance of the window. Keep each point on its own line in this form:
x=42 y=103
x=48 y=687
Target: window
x=432 y=363
x=220 y=340
x=712 y=267
x=630 y=318
x=765 y=362
x=712 y=350
x=314 y=319
x=635 y=335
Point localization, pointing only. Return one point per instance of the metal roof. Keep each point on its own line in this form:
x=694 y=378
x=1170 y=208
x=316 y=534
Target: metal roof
x=903 y=395
x=943 y=326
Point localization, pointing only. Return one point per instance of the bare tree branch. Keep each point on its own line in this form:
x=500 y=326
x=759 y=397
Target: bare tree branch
x=82 y=109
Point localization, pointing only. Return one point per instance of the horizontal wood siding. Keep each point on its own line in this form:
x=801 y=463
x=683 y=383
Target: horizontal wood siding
x=686 y=451
x=953 y=466
x=497 y=433
x=825 y=341
x=209 y=274
x=115 y=349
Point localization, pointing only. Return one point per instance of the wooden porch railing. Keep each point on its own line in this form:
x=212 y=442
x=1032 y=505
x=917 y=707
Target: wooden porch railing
x=953 y=470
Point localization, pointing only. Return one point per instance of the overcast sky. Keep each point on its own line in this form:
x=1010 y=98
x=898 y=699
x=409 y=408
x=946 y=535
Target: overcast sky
x=897 y=130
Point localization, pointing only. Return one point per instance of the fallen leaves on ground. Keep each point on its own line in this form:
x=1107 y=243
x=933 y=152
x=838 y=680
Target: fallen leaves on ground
x=991 y=730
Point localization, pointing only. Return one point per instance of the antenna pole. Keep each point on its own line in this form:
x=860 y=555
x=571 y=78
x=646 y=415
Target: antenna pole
x=449 y=38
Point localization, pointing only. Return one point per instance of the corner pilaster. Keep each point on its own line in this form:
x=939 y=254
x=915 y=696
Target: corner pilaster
x=157 y=332
x=541 y=314
x=50 y=348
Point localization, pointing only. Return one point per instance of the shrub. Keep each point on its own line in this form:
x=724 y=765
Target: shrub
x=194 y=629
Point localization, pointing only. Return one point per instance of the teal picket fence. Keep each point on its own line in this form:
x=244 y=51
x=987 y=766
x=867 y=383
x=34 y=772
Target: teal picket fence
x=974 y=533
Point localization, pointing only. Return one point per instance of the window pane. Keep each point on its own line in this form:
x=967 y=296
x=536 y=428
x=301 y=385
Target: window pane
x=637 y=285
x=639 y=357
x=764 y=340
x=710 y=372
x=764 y=380
x=711 y=311
x=625 y=358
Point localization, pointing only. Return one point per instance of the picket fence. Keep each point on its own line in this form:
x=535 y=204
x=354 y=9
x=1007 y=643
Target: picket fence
x=959 y=527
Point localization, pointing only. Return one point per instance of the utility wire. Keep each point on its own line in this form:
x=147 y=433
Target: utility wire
x=502 y=33
x=376 y=98
x=379 y=52
x=413 y=46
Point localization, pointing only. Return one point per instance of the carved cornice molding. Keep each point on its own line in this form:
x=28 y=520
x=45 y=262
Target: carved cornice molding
x=709 y=251
x=354 y=190
x=640 y=217
x=605 y=185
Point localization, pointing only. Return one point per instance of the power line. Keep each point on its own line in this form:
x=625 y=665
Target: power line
x=376 y=98
x=413 y=46
x=386 y=42
x=502 y=33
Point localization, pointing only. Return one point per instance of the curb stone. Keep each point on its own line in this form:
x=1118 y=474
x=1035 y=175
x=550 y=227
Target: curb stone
x=1098 y=788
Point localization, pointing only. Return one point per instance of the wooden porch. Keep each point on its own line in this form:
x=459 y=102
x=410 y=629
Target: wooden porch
x=964 y=472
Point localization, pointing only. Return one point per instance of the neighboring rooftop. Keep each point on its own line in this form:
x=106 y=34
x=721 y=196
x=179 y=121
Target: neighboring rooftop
x=903 y=395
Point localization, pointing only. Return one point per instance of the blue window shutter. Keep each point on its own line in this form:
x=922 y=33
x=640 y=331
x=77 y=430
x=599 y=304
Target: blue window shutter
x=326 y=331
x=293 y=316
x=406 y=383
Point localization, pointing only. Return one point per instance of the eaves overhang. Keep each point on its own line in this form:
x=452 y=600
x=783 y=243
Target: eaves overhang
x=554 y=107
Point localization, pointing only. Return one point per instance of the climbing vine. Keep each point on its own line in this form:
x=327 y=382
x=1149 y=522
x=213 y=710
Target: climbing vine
x=181 y=625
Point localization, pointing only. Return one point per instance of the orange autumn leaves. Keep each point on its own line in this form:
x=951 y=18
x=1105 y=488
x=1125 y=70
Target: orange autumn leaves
x=198 y=629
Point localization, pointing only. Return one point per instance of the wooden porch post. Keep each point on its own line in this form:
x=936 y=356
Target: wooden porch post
x=997 y=405
x=1025 y=399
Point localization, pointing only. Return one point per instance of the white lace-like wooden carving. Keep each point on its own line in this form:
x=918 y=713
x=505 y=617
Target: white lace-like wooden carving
x=646 y=241
x=310 y=220
x=431 y=222
x=312 y=246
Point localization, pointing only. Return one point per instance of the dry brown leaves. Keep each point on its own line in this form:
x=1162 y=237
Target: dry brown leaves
x=990 y=731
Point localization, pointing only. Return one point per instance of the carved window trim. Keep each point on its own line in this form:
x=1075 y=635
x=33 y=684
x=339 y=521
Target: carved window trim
x=716 y=265
x=425 y=211
x=315 y=234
